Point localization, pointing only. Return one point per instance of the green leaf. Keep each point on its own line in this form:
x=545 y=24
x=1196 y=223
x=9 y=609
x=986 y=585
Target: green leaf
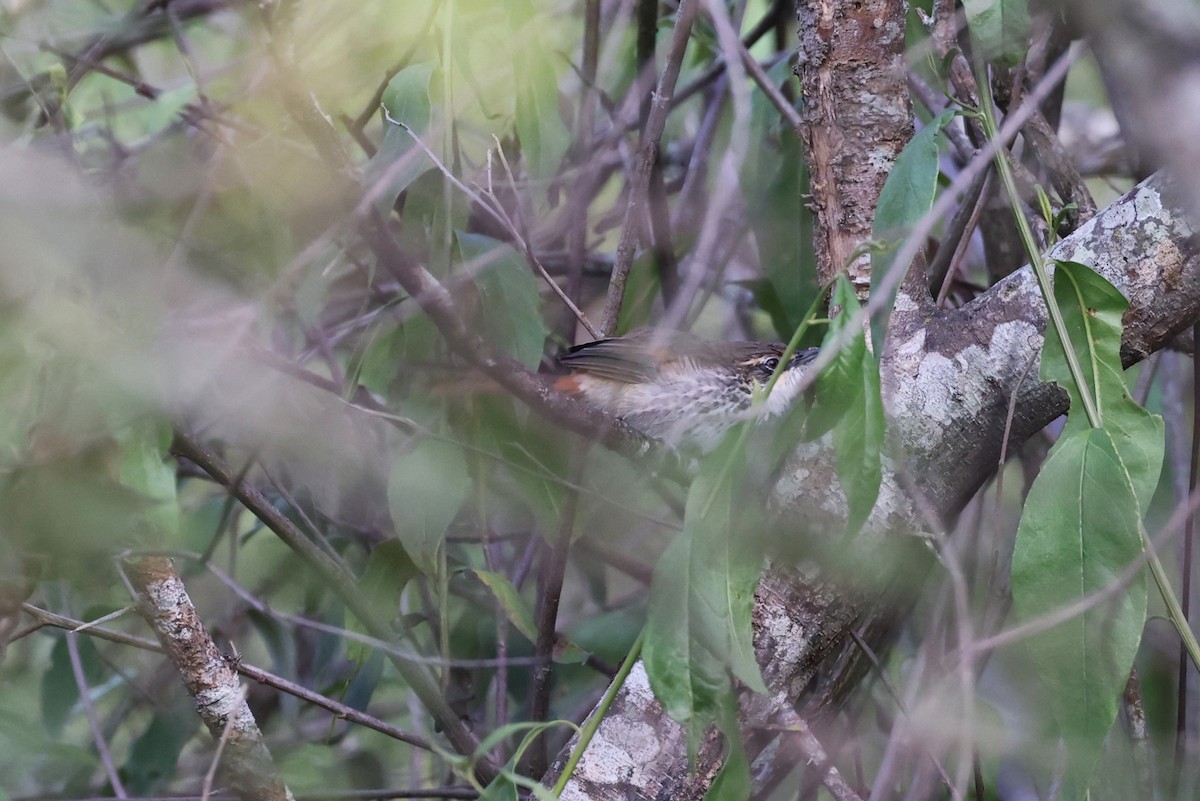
x=144 y=468
x=510 y=313
x=640 y=293
x=427 y=485
x=999 y=29
x=698 y=627
x=515 y=610
x=907 y=196
x=520 y=616
x=1078 y=532
x=400 y=159
x=389 y=569
x=1093 y=310
x=733 y=782
x=527 y=457
x=847 y=400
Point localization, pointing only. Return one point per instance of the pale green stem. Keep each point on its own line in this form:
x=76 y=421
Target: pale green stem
x=1035 y=258
x=1174 y=610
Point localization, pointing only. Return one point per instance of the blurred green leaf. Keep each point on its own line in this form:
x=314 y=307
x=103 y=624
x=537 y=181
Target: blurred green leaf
x=365 y=681
x=428 y=483
x=776 y=211
x=999 y=29
x=389 y=569
x=521 y=617
x=528 y=459
x=60 y=689
x=907 y=196
x=641 y=292
x=146 y=469
x=544 y=137
x=510 y=309
x=847 y=400
x=733 y=782
x=400 y=159
x=155 y=753
x=698 y=628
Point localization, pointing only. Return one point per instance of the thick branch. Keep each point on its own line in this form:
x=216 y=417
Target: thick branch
x=949 y=379
x=209 y=676
x=857 y=119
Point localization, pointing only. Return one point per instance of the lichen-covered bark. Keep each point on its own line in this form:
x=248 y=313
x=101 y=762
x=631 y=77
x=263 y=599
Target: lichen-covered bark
x=209 y=676
x=857 y=119
x=949 y=378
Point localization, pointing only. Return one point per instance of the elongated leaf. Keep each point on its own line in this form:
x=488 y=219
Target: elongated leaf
x=846 y=400
x=154 y=755
x=698 y=628
x=1093 y=309
x=907 y=196
x=510 y=313
x=1078 y=532
x=388 y=571
x=400 y=159
x=427 y=485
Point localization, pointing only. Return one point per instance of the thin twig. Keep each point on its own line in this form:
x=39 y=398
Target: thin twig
x=344 y=585
x=243 y=668
x=550 y=583
x=89 y=710
x=656 y=121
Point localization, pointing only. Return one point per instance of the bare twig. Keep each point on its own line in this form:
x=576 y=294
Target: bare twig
x=550 y=583
x=656 y=120
x=344 y=586
x=89 y=710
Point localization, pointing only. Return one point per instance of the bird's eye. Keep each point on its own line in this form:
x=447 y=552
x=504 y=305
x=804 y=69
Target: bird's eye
x=769 y=365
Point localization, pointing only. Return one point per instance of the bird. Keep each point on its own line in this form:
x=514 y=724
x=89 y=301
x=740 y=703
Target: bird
x=680 y=388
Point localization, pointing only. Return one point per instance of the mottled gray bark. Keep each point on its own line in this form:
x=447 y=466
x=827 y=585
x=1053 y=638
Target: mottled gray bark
x=947 y=383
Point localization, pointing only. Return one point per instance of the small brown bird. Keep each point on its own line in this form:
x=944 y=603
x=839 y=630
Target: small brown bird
x=680 y=388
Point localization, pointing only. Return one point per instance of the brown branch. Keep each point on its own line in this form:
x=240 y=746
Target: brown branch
x=551 y=572
x=848 y=50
